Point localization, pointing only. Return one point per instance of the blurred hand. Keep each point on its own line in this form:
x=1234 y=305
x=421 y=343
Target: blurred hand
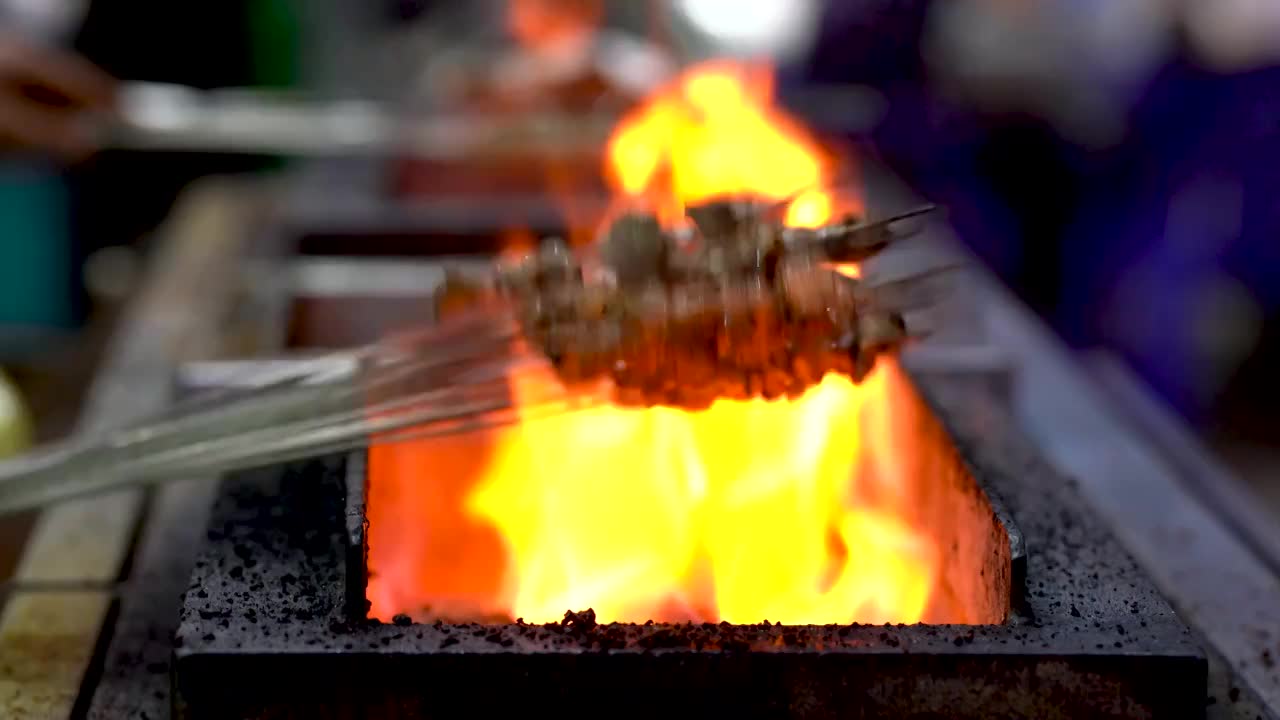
x=43 y=93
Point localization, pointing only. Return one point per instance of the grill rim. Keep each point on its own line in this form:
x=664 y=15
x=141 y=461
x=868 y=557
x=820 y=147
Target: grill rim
x=1042 y=642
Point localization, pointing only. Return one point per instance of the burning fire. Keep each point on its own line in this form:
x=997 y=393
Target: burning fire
x=791 y=511
x=742 y=512
x=713 y=133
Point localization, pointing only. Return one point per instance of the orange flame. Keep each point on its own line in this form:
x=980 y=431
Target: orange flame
x=712 y=134
x=538 y=24
x=792 y=511
x=743 y=512
x=663 y=513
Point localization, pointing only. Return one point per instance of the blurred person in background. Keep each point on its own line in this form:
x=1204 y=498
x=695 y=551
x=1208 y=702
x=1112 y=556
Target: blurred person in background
x=43 y=88
x=1115 y=162
x=60 y=201
x=43 y=94
x=74 y=221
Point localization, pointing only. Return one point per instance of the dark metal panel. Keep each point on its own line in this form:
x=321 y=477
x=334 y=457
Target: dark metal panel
x=1217 y=489
x=355 y=542
x=1221 y=589
x=135 y=680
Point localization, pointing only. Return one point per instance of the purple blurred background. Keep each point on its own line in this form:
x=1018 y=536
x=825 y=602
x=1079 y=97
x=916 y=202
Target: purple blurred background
x=1116 y=163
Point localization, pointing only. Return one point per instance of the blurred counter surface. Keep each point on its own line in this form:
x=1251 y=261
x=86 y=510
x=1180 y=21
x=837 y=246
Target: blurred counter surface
x=63 y=569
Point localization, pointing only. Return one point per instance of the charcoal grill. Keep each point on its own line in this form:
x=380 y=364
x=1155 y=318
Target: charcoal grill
x=272 y=620
x=276 y=609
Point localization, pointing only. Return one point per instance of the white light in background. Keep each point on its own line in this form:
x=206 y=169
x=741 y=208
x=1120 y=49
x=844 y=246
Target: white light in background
x=778 y=28
x=1235 y=35
x=45 y=20
x=111 y=272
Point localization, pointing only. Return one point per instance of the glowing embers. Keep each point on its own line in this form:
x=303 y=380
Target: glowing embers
x=842 y=506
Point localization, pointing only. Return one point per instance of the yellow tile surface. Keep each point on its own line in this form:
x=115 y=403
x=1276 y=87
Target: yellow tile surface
x=46 y=643
x=81 y=540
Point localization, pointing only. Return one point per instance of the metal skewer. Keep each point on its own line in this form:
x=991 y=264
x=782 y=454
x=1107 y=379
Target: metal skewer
x=450 y=378
x=389 y=394
x=160 y=117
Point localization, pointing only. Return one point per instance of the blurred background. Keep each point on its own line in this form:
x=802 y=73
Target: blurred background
x=1114 y=161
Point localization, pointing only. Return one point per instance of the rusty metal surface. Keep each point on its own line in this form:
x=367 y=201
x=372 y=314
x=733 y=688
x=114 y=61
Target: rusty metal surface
x=1092 y=637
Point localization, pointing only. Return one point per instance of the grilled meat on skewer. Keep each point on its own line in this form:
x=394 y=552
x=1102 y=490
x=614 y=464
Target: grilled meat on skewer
x=743 y=309
x=689 y=343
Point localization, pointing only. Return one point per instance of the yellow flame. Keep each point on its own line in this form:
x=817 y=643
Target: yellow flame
x=712 y=134
x=740 y=512
x=743 y=512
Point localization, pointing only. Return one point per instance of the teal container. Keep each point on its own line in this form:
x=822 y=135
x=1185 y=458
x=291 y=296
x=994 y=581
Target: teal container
x=37 y=289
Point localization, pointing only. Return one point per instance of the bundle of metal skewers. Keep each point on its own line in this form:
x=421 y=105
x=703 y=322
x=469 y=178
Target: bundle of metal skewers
x=731 y=305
